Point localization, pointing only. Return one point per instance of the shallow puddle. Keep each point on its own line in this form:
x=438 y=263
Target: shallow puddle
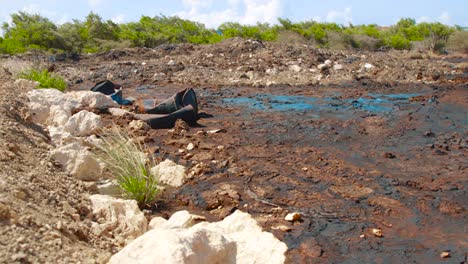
x=373 y=102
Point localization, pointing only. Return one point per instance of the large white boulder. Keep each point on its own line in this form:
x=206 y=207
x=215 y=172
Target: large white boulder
x=253 y=244
x=58 y=116
x=44 y=105
x=78 y=161
x=118 y=217
x=39 y=113
x=93 y=99
x=172 y=246
x=82 y=123
x=58 y=136
x=170 y=173
x=236 y=239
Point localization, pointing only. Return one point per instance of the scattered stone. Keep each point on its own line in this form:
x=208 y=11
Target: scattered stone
x=190 y=146
x=295 y=68
x=283 y=228
x=92 y=99
x=138 y=125
x=368 y=66
x=215 y=131
x=324 y=66
x=377 y=232
x=119 y=112
x=118 y=216
x=78 y=161
x=293 y=217
x=171 y=63
x=337 y=67
x=445 y=254
x=82 y=123
x=170 y=173
x=271 y=72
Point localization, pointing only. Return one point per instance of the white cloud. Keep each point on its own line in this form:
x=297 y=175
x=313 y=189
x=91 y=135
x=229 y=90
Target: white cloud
x=120 y=18
x=445 y=17
x=52 y=15
x=36 y=9
x=253 y=11
x=264 y=11
x=423 y=19
x=343 y=17
x=94 y=3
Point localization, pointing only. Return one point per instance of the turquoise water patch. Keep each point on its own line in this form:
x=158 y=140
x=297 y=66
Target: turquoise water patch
x=373 y=103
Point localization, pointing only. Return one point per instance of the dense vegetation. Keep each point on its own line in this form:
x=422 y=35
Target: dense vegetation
x=32 y=31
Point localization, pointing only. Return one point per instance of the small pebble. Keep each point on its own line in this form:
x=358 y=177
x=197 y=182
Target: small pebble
x=293 y=217
x=377 y=232
x=445 y=254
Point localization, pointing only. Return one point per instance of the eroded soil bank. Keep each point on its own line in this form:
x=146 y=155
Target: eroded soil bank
x=351 y=149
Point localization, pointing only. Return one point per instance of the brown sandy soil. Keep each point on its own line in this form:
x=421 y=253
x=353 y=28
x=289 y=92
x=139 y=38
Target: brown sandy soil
x=44 y=213
x=351 y=150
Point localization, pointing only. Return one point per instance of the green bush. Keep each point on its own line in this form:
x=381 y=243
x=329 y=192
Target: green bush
x=459 y=41
x=27 y=31
x=125 y=159
x=45 y=79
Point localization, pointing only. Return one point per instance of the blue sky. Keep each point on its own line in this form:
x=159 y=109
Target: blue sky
x=213 y=13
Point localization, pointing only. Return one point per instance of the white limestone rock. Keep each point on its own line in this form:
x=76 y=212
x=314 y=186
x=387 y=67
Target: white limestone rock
x=93 y=99
x=368 y=66
x=253 y=244
x=293 y=217
x=173 y=246
x=42 y=100
x=82 y=123
x=236 y=239
x=337 y=67
x=119 y=112
x=139 y=125
x=58 y=116
x=156 y=222
x=170 y=173
x=78 y=161
x=118 y=217
x=295 y=68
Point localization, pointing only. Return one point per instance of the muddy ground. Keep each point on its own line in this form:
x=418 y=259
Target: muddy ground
x=351 y=149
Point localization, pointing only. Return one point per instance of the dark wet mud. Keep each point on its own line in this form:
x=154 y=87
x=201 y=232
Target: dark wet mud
x=349 y=158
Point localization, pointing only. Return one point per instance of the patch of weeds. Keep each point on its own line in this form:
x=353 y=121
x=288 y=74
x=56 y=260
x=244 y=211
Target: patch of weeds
x=126 y=160
x=45 y=79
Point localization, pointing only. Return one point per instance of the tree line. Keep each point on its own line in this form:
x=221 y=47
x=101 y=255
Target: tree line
x=93 y=34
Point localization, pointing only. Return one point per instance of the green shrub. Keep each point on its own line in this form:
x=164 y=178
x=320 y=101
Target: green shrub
x=398 y=41
x=458 y=41
x=94 y=34
x=125 y=159
x=45 y=79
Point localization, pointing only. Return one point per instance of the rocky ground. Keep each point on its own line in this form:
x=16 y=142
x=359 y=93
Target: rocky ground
x=368 y=148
